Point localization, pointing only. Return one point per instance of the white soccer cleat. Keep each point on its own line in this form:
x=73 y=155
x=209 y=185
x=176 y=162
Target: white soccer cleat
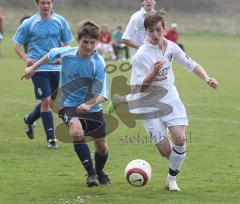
x=171 y=185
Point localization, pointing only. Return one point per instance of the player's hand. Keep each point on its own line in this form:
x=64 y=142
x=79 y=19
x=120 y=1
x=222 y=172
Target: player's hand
x=157 y=66
x=83 y=108
x=213 y=83
x=29 y=62
x=58 y=61
x=28 y=72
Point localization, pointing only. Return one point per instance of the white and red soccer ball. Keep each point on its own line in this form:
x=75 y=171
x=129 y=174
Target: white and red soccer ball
x=138 y=172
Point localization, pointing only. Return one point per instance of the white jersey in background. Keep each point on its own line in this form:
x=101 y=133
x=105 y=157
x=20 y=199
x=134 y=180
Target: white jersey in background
x=135 y=29
x=148 y=54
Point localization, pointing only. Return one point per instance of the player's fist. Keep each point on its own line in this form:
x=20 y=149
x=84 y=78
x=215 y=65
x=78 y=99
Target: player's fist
x=29 y=62
x=212 y=83
x=28 y=72
x=157 y=66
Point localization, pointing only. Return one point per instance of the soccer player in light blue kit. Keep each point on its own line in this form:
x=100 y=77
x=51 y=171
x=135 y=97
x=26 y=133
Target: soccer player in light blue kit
x=42 y=32
x=84 y=87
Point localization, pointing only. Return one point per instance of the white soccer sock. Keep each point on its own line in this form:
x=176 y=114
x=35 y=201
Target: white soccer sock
x=170 y=177
x=177 y=157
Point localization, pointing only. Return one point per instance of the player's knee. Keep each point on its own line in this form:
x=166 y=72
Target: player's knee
x=77 y=133
x=164 y=147
x=52 y=103
x=46 y=104
x=179 y=140
x=101 y=148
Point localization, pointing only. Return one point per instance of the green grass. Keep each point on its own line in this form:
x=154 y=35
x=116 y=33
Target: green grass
x=30 y=173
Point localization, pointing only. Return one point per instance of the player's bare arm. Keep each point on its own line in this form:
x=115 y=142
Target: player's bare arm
x=20 y=52
x=201 y=73
x=29 y=71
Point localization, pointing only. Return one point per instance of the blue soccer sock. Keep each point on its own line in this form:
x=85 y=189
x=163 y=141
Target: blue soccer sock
x=83 y=152
x=35 y=114
x=47 y=120
x=100 y=161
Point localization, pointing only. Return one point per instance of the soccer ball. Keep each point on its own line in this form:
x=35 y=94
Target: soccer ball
x=138 y=172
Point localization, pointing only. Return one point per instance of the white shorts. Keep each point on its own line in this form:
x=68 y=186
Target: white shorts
x=1 y=36
x=158 y=128
x=106 y=47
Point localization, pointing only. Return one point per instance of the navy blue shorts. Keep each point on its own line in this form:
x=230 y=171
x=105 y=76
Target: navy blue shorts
x=92 y=122
x=46 y=84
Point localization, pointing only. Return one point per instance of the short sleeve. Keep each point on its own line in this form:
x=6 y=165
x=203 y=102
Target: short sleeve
x=54 y=53
x=22 y=34
x=131 y=28
x=67 y=36
x=100 y=86
x=183 y=59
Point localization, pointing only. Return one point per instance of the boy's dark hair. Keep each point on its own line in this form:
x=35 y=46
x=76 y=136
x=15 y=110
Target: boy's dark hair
x=37 y=1
x=154 y=17
x=88 y=29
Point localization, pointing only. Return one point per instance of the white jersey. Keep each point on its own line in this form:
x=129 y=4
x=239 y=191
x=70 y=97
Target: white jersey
x=135 y=29
x=148 y=54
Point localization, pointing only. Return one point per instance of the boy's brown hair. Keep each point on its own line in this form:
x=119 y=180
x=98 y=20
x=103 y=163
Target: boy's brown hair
x=154 y=17
x=88 y=29
x=37 y=1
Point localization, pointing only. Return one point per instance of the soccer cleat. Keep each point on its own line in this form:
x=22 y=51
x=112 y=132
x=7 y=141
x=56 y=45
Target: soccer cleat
x=29 y=128
x=103 y=179
x=171 y=185
x=52 y=144
x=92 y=180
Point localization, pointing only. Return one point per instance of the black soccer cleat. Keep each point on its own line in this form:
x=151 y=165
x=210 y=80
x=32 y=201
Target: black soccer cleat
x=103 y=179
x=92 y=180
x=29 y=128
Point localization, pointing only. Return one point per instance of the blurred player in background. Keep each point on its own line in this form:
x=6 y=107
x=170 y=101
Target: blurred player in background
x=152 y=67
x=172 y=34
x=135 y=33
x=1 y=29
x=117 y=43
x=105 y=43
x=42 y=32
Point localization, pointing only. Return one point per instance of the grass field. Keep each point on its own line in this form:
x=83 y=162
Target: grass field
x=30 y=173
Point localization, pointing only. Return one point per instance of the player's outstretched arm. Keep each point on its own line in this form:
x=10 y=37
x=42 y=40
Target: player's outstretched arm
x=29 y=71
x=201 y=73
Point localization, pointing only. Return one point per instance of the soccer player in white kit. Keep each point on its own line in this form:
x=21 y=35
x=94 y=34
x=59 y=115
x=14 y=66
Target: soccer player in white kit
x=135 y=33
x=152 y=66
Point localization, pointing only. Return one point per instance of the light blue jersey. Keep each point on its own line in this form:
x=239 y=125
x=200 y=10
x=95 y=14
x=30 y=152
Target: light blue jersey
x=41 y=35
x=81 y=78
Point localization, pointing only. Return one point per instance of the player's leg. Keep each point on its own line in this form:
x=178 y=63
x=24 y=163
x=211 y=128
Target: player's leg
x=126 y=51
x=43 y=91
x=176 y=122
x=82 y=150
x=101 y=157
x=48 y=122
x=30 y=118
x=157 y=130
x=116 y=49
x=177 y=156
x=1 y=38
x=96 y=130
